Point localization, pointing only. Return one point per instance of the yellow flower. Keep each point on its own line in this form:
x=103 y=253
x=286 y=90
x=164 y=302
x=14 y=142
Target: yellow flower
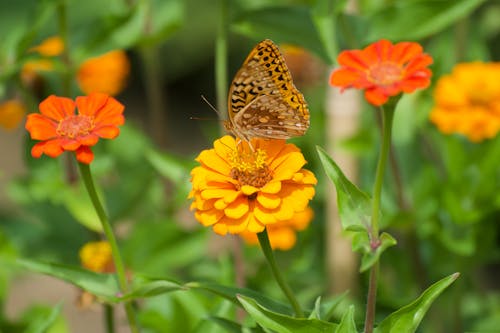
x=106 y=73
x=97 y=257
x=467 y=101
x=50 y=47
x=11 y=113
x=282 y=235
x=238 y=188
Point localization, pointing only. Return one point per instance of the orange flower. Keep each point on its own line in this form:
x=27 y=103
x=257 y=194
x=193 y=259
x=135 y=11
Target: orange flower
x=11 y=113
x=106 y=73
x=468 y=101
x=383 y=70
x=282 y=235
x=61 y=130
x=50 y=47
x=97 y=257
x=237 y=189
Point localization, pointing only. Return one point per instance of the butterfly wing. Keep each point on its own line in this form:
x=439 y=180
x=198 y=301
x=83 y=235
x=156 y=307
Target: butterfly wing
x=263 y=101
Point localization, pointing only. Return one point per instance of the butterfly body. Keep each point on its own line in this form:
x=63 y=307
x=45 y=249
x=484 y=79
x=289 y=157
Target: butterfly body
x=263 y=101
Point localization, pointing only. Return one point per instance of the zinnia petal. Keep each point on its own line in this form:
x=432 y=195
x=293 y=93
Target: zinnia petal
x=84 y=155
x=57 y=108
x=40 y=127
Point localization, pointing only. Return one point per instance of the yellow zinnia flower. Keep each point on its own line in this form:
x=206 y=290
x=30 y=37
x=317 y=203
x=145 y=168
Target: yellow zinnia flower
x=240 y=188
x=97 y=257
x=468 y=101
x=282 y=235
x=106 y=73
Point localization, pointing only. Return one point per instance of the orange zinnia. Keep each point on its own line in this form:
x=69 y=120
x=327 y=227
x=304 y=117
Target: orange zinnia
x=59 y=129
x=383 y=70
x=467 y=101
x=11 y=113
x=106 y=73
x=282 y=235
x=238 y=188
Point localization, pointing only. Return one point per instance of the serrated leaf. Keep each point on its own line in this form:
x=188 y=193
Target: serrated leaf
x=347 y=324
x=354 y=204
x=230 y=294
x=408 y=318
x=281 y=323
x=417 y=19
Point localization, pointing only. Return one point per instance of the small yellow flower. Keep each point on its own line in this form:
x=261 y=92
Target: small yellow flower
x=11 y=113
x=50 y=47
x=97 y=257
x=237 y=189
x=467 y=101
x=106 y=73
x=282 y=235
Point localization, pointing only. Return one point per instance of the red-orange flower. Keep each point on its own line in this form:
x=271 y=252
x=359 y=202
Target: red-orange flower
x=383 y=70
x=106 y=73
x=60 y=129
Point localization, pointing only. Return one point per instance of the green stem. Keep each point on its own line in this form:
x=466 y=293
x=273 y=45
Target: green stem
x=387 y=117
x=221 y=60
x=108 y=231
x=268 y=253
x=109 y=318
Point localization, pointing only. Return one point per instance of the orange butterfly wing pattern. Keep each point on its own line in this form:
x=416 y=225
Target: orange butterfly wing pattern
x=263 y=102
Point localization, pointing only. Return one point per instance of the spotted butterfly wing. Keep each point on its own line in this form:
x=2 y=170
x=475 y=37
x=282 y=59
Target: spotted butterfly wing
x=263 y=101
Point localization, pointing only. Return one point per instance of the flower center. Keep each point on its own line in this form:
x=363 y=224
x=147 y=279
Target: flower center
x=385 y=73
x=74 y=126
x=250 y=168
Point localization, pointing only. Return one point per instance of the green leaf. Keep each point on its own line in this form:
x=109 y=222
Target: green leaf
x=103 y=286
x=145 y=287
x=42 y=323
x=316 y=312
x=78 y=203
x=417 y=19
x=290 y=24
x=354 y=205
x=329 y=307
x=347 y=324
x=230 y=293
x=361 y=243
x=234 y=327
x=169 y=166
x=282 y=323
x=407 y=319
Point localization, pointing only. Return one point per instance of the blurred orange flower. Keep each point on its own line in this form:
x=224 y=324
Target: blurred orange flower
x=282 y=235
x=107 y=73
x=50 y=47
x=383 y=70
x=97 y=257
x=237 y=188
x=11 y=113
x=59 y=129
x=467 y=101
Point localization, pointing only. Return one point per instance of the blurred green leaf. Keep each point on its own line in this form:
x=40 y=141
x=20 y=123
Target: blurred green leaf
x=347 y=324
x=329 y=307
x=285 y=24
x=230 y=293
x=102 y=285
x=169 y=166
x=354 y=205
x=42 y=322
x=144 y=287
x=78 y=203
x=281 y=323
x=234 y=327
x=408 y=318
x=417 y=19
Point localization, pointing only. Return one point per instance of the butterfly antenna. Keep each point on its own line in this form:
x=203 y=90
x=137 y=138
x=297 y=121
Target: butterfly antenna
x=211 y=106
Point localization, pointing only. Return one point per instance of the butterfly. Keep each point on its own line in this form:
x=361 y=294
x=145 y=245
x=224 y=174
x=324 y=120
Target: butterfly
x=263 y=102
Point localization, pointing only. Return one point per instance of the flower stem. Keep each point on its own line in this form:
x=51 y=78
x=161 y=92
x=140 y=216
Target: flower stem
x=108 y=231
x=268 y=253
x=387 y=117
x=109 y=318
